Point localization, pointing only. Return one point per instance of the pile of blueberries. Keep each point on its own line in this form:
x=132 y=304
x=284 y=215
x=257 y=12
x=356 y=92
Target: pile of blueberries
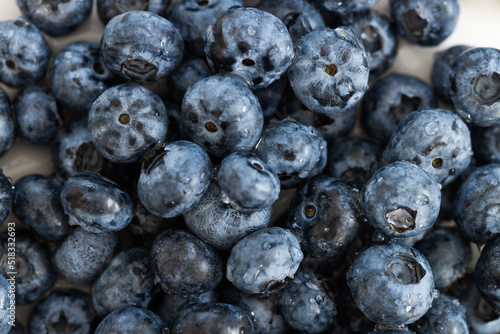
x=176 y=137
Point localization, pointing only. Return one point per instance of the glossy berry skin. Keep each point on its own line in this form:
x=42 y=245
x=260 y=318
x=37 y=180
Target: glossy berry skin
x=184 y=264
x=391 y=283
x=221 y=225
x=63 y=311
x=306 y=303
x=446 y=315
x=189 y=72
x=126 y=121
x=248 y=181
x=212 y=318
x=401 y=200
x=5 y=326
x=249 y=43
x=107 y=9
x=379 y=37
x=134 y=286
x=7 y=127
x=487 y=272
x=265 y=313
x=132 y=319
x=294 y=151
x=95 y=203
x=331 y=127
x=299 y=16
x=33 y=263
x=329 y=73
x=7 y=195
x=141 y=46
x=347 y=6
x=222 y=114
x=193 y=17
x=78 y=76
x=37 y=116
x=473 y=86
x=436 y=140
x=441 y=67
x=325 y=215
x=390 y=100
x=81 y=256
x=353 y=160
x=38 y=205
x=172 y=304
x=175 y=179
x=74 y=151
x=485 y=144
x=475 y=209
x=56 y=18
x=276 y=255
x=425 y=22
x=19 y=69
x=448 y=253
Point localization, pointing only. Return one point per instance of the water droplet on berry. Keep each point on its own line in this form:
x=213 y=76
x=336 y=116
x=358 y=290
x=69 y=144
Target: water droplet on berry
x=431 y=128
x=251 y=31
x=244 y=133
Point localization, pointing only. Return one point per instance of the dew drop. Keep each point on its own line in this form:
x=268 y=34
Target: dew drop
x=431 y=128
x=244 y=133
x=251 y=31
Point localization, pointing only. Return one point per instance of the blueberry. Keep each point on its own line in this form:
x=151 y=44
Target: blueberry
x=248 y=181
x=172 y=304
x=141 y=46
x=212 y=318
x=175 y=179
x=5 y=325
x=390 y=100
x=57 y=17
x=95 y=203
x=347 y=6
x=107 y=9
x=425 y=22
x=293 y=150
x=24 y=53
x=81 y=256
x=132 y=319
x=441 y=67
x=331 y=127
x=487 y=273
x=193 y=17
x=189 y=72
x=270 y=97
x=145 y=226
x=220 y=224
x=485 y=144
x=222 y=114
x=401 y=200
x=78 y=76
x=476 y=206
x=353 y=160
x=391 y=330
x=184 y=264
x=446 y=315
x=7 y=195
x=299 y=16
x=74 y=151
x=263 y=260
x=126 y=121
x=38 y=205
x=35 y=272
x=473 y=86
x=325 y=215
x=448 y=254
x=379 y=37
x=134 y=286
x=306 y=303
x=329 y=73
x=7 y=128
x=251 y=44
x=265 y=313
x=37 y=116
x=436 y=140
x=392 y=284
x=63 y=311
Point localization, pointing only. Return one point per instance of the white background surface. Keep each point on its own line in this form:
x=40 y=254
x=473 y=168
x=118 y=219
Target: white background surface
x=478 y=25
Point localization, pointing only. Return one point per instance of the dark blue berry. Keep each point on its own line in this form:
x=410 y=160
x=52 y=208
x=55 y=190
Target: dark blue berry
x=132 y=319
x=172 y=304
x=441 y=67
x=7 y=128
x=487 y=272
x=5 y=324
x=265 y=313
x=7 y=195
x=189 y=72
x=342 y=7
x=107 y=9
